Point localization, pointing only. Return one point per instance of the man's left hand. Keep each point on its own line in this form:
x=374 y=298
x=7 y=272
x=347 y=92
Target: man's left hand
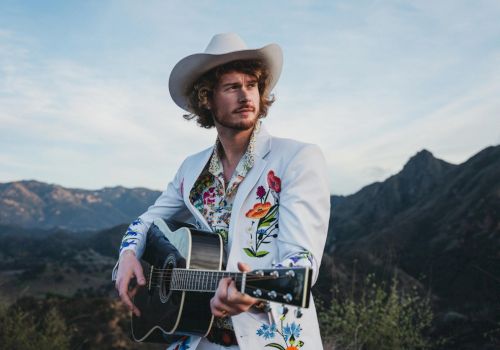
x=228 y=301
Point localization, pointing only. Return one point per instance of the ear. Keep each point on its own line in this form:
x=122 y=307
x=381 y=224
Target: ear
x=208 y=105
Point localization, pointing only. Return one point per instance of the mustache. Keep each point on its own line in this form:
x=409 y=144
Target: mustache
x=245 y=108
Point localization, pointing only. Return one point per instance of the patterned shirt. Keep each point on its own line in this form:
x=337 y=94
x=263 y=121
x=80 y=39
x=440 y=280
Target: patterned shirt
x=212 y=197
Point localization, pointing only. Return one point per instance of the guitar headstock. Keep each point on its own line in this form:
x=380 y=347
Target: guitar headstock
x=290 y=286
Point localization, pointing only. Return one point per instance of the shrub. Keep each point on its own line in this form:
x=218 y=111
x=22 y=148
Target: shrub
x=377 y=318
x=21 y=331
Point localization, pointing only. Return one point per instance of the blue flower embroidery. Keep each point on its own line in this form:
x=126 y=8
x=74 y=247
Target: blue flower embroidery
x=136 y=222
x=183 y=344
x=131 y=233
x=128 y=243
x=290 y=330
x=267 y=331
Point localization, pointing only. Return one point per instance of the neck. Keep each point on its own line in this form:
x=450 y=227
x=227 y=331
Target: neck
x=203 y=280
x=234 y=144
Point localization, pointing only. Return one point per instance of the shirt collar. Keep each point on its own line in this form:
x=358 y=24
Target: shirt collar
x=246 y=162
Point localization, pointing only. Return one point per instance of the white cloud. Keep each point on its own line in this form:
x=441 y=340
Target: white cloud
x=371 y=83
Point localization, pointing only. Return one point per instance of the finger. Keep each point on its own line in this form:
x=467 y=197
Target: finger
x=237 y=299
x=123 y=293
x=217 y=308
x=139 y=274
x=221 y=292
x=244 y=267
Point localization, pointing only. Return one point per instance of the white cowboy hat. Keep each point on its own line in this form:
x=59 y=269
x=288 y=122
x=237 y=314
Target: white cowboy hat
x=223 y=48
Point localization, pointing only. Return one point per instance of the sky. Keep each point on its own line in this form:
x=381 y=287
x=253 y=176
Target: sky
x=84 y=99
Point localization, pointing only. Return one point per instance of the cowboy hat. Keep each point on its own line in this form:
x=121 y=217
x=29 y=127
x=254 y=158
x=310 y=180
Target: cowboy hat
x=223 y=48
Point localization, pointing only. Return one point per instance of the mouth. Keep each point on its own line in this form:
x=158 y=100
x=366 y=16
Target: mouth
x=245 y=109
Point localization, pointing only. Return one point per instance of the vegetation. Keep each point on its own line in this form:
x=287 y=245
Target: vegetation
x=21 y=330
x=378 y=317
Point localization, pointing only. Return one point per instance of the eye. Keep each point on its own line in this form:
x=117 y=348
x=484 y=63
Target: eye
x=232 y=87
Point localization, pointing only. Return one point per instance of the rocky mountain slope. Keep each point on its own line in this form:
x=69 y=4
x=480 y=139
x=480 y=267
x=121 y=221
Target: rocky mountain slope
x=33 y=204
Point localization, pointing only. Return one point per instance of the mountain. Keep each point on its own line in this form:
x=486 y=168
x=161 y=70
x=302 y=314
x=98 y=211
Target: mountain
x=33 y=204
x=433 y=222
x=372 y=207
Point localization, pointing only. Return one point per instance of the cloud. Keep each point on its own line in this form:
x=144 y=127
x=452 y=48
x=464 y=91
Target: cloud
x=372 y=83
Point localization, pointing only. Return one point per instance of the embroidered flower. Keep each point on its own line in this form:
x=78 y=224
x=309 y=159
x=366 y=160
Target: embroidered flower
x=128 y=243
x=274 y=182
x=291 y=330
x=209 y=196
x=136 y=222
x=183 y=344
x=267 y=331
x=131 y=233
x=261 y=192
x=290 y=335
x=258 y=211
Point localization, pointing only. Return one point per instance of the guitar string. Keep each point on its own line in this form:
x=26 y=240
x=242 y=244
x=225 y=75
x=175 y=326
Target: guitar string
x=251 y=277
x=263 y=290
x=200 y=272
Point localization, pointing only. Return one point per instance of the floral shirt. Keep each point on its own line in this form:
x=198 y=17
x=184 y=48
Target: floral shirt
x=212 y=197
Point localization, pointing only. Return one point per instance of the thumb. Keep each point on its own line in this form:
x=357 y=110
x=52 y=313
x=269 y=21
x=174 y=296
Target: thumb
x=244 y=267
x=139 y=274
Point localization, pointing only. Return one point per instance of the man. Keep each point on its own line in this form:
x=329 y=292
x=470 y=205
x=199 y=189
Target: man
x=267 y=197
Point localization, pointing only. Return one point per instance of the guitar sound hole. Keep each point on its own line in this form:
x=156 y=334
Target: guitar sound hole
x=165 y=278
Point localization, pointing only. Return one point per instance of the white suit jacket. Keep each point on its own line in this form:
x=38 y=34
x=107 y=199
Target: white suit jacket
x=302 y=218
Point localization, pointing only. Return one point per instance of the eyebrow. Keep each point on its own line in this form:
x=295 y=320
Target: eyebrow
x=249 y=81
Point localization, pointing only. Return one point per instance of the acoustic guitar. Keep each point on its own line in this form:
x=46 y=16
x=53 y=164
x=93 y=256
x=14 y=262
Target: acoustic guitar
x=183 y=267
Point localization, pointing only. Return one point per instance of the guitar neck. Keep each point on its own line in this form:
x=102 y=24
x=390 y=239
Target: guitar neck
x=202 y=280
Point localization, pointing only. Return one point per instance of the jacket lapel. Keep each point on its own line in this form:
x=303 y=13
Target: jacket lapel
x=190 y=177
x=262 y=148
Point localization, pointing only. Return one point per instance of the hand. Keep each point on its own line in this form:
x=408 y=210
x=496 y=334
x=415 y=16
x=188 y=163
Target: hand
x=129 y=267
x=228 y=300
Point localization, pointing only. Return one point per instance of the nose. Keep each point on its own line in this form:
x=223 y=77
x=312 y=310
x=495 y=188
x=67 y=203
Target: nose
x=243 y=95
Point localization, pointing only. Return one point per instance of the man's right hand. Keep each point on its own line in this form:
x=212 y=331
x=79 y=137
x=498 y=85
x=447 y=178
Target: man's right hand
x=128 y=268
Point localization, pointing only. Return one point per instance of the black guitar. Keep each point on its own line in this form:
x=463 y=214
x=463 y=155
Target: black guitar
x=180 y=283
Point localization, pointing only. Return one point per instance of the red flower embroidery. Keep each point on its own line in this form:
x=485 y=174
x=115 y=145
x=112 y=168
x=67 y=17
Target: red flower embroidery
x=274 y=182
x=261 y=192
x=209 y=196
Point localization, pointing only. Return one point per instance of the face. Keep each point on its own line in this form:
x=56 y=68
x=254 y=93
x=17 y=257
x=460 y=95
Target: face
x=235 y=101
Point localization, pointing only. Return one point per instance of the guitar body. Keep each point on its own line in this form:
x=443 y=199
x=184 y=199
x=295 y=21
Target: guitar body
x=167 y=314
x=183 y=267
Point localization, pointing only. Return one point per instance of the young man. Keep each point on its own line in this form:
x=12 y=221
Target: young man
x=246 y=176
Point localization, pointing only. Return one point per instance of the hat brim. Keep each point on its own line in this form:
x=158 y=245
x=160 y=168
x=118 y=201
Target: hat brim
x=189 y=69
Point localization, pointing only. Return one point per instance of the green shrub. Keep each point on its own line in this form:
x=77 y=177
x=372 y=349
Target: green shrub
x=19 y=330
x=377 y=318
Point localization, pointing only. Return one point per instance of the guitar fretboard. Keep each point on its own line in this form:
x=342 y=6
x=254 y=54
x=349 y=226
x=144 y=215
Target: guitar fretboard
x=201 y=280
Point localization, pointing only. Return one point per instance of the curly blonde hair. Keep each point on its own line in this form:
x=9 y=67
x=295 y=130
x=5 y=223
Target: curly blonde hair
x=202 y=90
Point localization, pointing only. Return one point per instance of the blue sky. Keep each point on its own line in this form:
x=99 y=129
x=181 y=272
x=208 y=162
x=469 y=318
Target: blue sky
x=84 y=84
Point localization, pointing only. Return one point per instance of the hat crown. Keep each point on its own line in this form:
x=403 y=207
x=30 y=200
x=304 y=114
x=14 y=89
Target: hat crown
x=225 y=43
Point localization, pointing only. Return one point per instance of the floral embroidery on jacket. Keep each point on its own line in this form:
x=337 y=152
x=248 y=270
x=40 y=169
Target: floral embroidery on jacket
x=290 y=332
x=266 y=216
x=130 y=237
x=303 y=258
x=183 y=343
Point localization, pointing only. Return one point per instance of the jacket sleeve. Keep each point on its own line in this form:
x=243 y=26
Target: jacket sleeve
x=304 y=210
x=169 y=206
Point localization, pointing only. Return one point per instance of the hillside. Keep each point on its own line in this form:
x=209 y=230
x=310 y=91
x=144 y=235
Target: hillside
x=33 y=204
